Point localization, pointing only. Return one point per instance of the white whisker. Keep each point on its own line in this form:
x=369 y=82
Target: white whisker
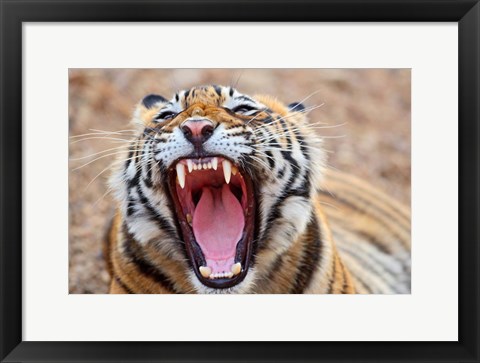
x=102 y=138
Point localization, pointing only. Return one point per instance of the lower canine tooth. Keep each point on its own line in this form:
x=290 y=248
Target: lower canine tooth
x=236 y=268
x=205 y=271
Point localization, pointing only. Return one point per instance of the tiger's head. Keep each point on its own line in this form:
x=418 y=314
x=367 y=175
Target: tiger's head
x=219 y=182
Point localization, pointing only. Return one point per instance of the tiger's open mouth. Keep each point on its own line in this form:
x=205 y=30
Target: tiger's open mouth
x=215 y=206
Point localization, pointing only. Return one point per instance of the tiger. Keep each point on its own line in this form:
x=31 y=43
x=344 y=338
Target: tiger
x=220 y=192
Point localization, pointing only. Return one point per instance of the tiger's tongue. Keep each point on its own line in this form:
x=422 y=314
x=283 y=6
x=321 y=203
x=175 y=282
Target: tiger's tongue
x=218 y=223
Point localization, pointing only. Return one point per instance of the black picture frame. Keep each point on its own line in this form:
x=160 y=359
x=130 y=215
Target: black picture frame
x=14 y=13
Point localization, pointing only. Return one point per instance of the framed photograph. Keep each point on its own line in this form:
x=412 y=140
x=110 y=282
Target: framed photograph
x=251 y=181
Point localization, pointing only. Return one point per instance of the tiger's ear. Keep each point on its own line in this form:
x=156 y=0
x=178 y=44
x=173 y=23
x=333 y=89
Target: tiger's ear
x=296 y=107
x=146 y=110
x=151 y=100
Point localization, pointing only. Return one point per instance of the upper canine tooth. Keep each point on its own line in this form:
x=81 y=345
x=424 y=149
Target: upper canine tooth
x=181 y=174
x=190 y=165
x=227 y=170
x=236 y=268
x=205 y=271
x=214 y=163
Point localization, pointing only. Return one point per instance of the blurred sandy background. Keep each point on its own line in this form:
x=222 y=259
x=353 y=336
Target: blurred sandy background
x=373 y=143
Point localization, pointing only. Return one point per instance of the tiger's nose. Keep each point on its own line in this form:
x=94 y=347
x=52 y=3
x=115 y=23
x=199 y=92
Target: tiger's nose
x=197 y=131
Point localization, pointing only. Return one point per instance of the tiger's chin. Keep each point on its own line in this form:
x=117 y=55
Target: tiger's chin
x=215 y=204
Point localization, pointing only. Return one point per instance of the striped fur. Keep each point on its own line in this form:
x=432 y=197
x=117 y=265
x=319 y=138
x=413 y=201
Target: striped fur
x=317 y=231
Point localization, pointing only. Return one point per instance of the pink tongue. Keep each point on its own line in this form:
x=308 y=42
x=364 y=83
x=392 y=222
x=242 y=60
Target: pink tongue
x=218 y=224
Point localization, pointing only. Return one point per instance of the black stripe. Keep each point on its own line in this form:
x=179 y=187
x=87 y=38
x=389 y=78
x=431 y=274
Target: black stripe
x=310 y=257
x=123 y=286
x=332 y=279
x=147 y=180
x=130 y=207
x=161 y=166
x=295 y=168
x=162 y=222
x=273 y=143
x=131 y=202
x=270 y=159
x=132 y=183
x=288 y=154
x=302 y=143
x=148 y=177
x=137 y=257
x=129 y=158
x=344 y=286
x=218 y=90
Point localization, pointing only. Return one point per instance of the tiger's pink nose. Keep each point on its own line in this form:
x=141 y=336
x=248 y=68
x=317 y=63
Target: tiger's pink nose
x=197 y=131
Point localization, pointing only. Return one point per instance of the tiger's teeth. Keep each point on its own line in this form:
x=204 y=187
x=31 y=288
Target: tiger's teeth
x=190 y=165
x=189 y=218
x=236 y=268
x=205 y=271
x=227 y=170
x=181 y=174
x=214 y=163
x=234 y=170
x=229 y=274
x=209 y=165
x=205 y=166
